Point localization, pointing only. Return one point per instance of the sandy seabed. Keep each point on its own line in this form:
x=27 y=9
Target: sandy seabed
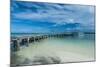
x=54 y=51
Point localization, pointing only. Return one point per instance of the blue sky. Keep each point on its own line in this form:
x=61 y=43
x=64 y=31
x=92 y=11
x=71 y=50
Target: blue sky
x=39 y=17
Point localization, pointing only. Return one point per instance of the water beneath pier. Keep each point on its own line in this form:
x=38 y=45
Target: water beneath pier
x=56 y=50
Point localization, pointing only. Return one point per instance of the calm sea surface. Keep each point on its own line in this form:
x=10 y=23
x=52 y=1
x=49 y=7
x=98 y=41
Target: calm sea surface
x=56 y=50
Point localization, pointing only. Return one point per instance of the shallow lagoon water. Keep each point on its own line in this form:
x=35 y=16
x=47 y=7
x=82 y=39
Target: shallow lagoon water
x=56 y=50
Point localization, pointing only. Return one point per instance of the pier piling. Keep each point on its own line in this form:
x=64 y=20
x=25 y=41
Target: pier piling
x=17 y=42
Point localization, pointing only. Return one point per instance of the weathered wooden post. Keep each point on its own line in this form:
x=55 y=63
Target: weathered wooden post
x=33 y=38
x=37 y=38
x=16 y=44
x=27 y=40
x=43 y=37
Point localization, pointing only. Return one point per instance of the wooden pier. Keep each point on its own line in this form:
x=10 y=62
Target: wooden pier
x=17 y=42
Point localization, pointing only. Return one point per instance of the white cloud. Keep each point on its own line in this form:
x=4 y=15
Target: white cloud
x=60 y=15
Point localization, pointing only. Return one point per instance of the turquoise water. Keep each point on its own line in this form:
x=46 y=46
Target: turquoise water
x=23 y=34
x=57 y=50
